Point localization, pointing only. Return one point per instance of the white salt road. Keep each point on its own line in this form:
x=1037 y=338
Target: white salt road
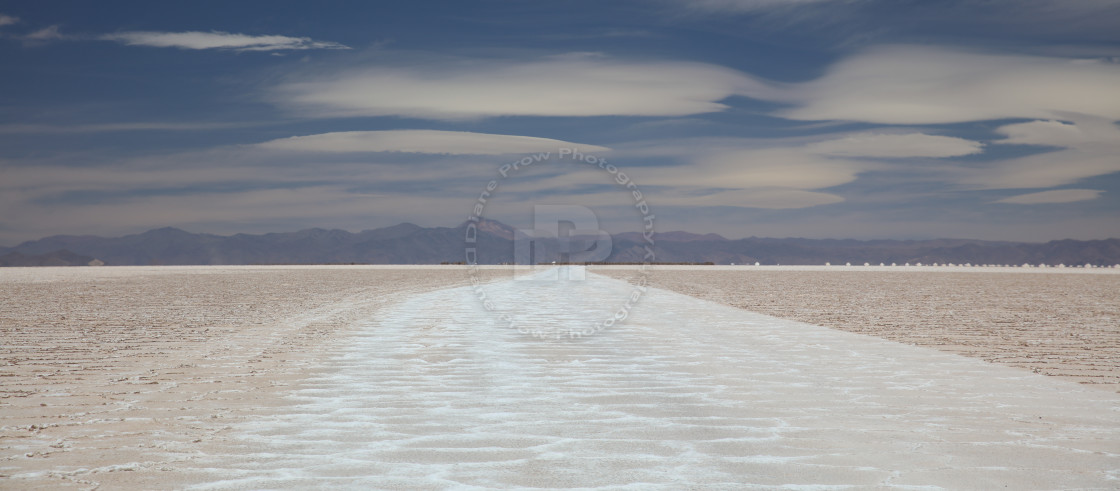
x=438 y=393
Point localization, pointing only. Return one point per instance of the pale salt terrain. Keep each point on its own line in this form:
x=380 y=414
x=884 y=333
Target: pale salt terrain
x=107 y=375
x=396 y=384
x=1057 y=322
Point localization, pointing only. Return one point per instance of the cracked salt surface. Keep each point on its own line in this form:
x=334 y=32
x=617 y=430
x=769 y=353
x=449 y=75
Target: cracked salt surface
x=438 y=393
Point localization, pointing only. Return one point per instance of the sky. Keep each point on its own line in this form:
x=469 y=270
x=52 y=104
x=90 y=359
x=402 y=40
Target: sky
x=865 y=119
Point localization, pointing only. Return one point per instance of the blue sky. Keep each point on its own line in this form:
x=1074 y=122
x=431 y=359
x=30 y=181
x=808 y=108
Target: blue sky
x=809 y=118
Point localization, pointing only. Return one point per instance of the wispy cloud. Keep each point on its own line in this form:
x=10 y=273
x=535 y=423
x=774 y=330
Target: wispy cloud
x=769 y=174
x=232 y=189
x=218 y=40
x=422 y=141
x=1055 y=196
x=784 y=173
x=1073 y=104
x=790 y=168
x=50 y=33
x=858 y=21
x=1089 y=147
x=43 y=36
x=965 y=10
x=885 y=145
x=32 y=128
x=6 y=20
x=255 y=210
x=559 y=86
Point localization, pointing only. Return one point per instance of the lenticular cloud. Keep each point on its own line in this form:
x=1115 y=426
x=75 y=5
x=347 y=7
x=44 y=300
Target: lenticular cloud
x=919 y=85
x=566 y=86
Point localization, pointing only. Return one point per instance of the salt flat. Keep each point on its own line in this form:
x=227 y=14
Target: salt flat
x=1062 y=322
x=108 y=376
x=688 y=394
x=431 y=391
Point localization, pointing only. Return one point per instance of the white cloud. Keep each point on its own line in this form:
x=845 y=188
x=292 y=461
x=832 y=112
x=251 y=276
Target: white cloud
x=881 y=145
x=1055 y=196
x=1042 y=170
x=772 y=178
x=889 y=85
x=7 y=20
x=966 y=11
x=929 y=22
x=423 y=141
x=559 y=86
x=233 y=189
x=111 y=127
x=217 y=40
x=203 y=170
x=776 y=173
x=1055 y=133
x=919 y=85
x=43 y=36
x=575 y=186
x=256 y=210
x=768 y=198
x=768 y=167
x=1080 y=19
x=1091 y=146
x=728 y=174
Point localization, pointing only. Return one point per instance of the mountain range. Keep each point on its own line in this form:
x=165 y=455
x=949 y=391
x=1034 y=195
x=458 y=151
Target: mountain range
x=412 y=244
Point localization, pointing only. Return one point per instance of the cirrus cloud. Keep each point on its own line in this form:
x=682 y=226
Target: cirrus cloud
x=883 y=145
x=422 y=141
x=1054 y=196
x=217 y=40
x=46 y=34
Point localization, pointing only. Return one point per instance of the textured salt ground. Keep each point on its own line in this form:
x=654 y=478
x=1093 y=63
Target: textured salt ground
x=111 y=377
x=438 y=393
x=1061 y=322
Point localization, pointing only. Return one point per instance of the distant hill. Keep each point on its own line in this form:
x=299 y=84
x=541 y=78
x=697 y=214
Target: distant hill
x=411 y=244
x=55 y=258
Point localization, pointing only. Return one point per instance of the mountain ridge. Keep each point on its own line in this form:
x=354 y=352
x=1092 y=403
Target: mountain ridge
x=407 y=243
